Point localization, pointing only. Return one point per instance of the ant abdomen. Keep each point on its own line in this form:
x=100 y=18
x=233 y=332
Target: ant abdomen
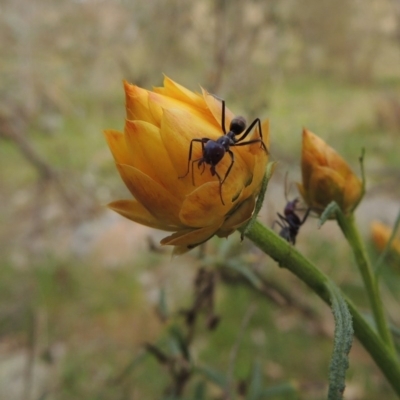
x=238 y=125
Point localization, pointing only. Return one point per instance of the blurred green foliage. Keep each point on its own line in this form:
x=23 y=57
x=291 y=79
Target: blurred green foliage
x=79 y=319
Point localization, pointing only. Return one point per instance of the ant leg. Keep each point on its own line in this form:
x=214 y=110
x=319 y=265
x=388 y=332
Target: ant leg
x=230 y=152
x=214 y=172
x=248 y=130
x=199 y=160
x=305 y=216
x=220 y=187
x=286 y=189
x=204 y=166
x=223 y=122
x=223 y=117
x=279 y=223
x=285 y=229
x=190 y=156
x=250 y=142
x=282 y=218
x=202 y=141
x=221 y=181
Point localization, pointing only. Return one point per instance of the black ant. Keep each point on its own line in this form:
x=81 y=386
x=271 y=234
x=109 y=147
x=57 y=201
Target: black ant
x=213 y=151
x=290 y=222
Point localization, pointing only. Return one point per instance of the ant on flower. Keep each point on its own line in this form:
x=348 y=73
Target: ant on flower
x=290 y=222
x=213 y=151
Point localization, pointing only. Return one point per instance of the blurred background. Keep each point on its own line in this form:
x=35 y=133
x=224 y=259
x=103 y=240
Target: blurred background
x=81 y=289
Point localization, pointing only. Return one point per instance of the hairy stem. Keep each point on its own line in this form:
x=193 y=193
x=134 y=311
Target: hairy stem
x=349 y=229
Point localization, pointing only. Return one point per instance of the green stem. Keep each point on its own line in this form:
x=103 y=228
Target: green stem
x=288 y=257
x=349 y=229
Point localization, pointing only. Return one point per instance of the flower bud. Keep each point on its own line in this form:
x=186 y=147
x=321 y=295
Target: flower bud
x=327 y=177
x=381 y=234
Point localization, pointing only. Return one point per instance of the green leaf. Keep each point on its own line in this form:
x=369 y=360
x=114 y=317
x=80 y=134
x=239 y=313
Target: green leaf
x=246 y=272
x=341 y=345
x=256 y=385
x=200 y=391
x=284 y=390
x=212 y=375
x=162 y=306
x=171 y=397
x=136 y=361
x=178 y=342
x=331 y=209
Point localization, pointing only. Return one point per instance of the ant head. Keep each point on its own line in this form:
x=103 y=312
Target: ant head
x=238 y=125
x=290 y=207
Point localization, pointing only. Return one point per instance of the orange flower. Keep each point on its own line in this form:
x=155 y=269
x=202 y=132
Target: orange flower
x=327 y=177
x=152 y=158
x=380 y=236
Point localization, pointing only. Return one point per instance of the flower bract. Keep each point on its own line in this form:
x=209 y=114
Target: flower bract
x=327 y=177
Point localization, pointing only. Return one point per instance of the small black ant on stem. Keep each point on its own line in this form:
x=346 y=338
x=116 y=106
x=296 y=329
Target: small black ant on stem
x=290 y=222
x=213 y=151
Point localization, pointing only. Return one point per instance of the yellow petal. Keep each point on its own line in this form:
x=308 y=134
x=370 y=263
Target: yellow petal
x=158 y=102
x=215 y=107
x=303 y=193
x=336 y=162
x=178 y=128
x=312 y=155
x=136 y=212
x=352 y=192
x=253 y=184
x=137 y=104
x=203 y=207
x=239 y=217
x=177 y=91
x=325 y=186
x=381 y=234
x=315 y=146
x=265 y=126
x=160 y=203
x=192 y=237
x=148 y=154
x=254 y=155
x=117 y=145
x=260 y=164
